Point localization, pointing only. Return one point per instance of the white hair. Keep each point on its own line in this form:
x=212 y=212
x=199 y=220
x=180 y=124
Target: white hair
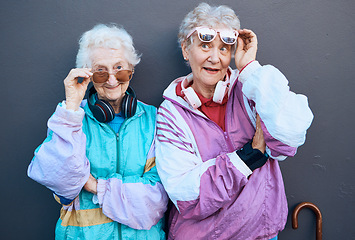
x=209 y=16
x=106 y=36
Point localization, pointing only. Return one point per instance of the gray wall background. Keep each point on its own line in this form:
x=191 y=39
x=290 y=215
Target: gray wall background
x=311 y=42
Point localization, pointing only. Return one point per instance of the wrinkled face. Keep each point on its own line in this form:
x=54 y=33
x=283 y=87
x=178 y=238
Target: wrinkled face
x=109 y=60
x=209 y=62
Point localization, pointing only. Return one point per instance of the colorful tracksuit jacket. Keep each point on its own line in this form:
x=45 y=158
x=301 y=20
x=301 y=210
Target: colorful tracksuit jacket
x=130 y=202
x=215 y=195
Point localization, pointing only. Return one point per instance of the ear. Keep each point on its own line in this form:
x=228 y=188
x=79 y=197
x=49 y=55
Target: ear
x=185 y=53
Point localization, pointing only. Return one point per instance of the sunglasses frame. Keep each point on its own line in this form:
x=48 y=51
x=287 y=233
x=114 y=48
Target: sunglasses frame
x=115 y=74
x=216 y=33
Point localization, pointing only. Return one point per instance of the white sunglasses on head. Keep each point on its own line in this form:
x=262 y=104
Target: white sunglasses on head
x=206 y=34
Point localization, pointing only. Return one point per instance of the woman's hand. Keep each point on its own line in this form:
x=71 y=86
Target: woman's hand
x=91 y=185
x=258 y=139
x=74 y=90
x=246 y=48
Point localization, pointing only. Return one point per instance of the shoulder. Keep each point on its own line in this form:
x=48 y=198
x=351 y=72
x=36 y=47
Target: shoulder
x=167 y=109
x=145 y=112
x=146 y=107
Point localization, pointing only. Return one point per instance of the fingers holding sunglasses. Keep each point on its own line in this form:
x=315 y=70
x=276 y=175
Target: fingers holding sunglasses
x=249 y=37
x=75 y=85
x=246 y=48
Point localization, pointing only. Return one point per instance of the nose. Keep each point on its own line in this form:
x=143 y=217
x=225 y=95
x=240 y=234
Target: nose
x=112 y=79
x=214 y=55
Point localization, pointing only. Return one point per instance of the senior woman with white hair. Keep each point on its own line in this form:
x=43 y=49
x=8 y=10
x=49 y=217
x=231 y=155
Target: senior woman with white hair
x=99 y=156
x=221 y=132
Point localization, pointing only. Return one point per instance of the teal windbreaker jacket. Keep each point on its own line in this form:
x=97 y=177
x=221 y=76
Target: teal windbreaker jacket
x=130 y=202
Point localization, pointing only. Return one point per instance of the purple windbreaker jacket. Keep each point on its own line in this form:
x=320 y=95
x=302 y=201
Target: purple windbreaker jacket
x=215 y=195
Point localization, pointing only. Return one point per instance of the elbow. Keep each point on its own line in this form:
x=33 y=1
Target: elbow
x=145 y=221
x=156 y=213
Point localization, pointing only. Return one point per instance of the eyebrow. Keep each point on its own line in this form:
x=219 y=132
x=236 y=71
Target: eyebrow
x=114 y=65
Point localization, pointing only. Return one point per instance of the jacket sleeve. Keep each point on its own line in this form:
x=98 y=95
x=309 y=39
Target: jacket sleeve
x=197 y=188
x=138 y=202
x=60 y=162
x=285 y=116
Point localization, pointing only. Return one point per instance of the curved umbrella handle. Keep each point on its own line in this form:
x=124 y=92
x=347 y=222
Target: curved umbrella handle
x=315 y=209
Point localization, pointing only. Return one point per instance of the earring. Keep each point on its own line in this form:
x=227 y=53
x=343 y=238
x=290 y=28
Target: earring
x=185 y=58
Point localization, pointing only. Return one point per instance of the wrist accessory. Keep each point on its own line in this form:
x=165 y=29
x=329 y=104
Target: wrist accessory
x=253 y=158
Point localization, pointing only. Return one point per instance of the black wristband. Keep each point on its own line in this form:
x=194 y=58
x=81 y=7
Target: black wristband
x=253 y=158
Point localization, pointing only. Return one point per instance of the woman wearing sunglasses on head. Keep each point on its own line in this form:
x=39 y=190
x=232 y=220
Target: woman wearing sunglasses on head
x=99 y=156
x=221 y=133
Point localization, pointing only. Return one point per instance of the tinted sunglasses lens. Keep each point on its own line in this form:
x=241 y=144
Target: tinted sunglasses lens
x=124 y=75
x=229 y=40
x=206 y=34
x=100 y=77
x=228 y=37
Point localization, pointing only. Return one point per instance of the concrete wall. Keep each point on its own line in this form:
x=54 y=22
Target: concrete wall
x=311 y=42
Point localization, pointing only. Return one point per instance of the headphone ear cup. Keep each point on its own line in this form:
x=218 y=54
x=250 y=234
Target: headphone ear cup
x=102 y=110
x=190 y=95
x=220 y=92
x=106 y=114
x=129 y=103
x=192 y=98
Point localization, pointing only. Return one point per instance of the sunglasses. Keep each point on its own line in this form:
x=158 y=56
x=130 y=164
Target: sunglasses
x=122 y=76
x=206 y=34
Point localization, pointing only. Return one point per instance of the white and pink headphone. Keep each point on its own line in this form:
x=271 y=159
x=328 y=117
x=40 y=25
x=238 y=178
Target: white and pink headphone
x=192 y=98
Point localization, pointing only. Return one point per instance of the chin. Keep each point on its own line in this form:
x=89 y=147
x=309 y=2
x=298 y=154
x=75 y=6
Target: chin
x=112 y=96
x=214 y=80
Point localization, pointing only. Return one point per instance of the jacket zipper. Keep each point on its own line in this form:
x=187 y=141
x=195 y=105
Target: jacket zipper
x=117 y=152
x=117 y=136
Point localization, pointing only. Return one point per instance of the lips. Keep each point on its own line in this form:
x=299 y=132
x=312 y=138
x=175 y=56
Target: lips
x=112 y=87
x=211 y=70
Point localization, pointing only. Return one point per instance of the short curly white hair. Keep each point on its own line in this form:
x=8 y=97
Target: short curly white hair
x=209 y=16
x=106 y=36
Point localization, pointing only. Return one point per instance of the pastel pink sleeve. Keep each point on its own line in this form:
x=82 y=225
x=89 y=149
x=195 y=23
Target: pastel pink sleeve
x=136 y=201
x=60 y=163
